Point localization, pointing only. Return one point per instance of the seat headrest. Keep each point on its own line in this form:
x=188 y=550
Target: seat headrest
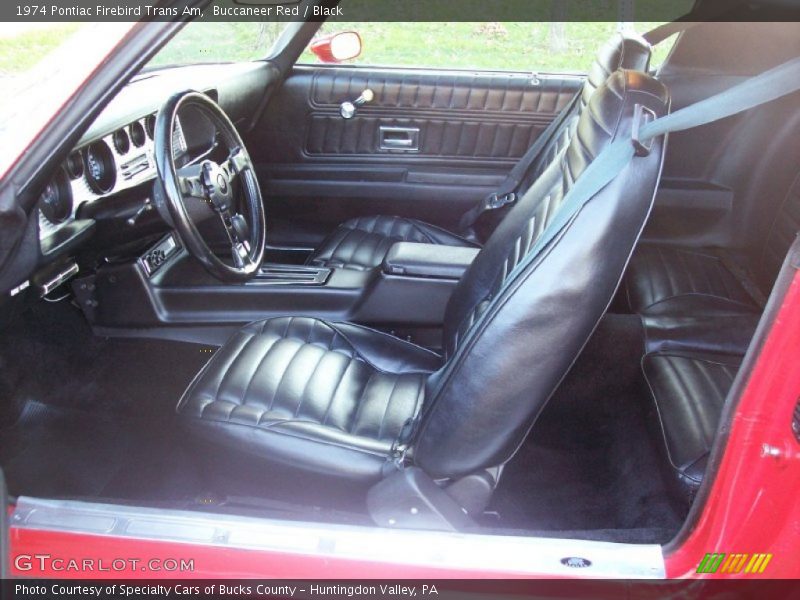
x=622 y=51
x=609 y=114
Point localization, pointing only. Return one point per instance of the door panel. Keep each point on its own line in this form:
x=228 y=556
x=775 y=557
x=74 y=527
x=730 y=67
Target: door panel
x=430 y=144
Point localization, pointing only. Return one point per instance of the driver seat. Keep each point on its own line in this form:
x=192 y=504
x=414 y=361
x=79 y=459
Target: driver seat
x=342 y=400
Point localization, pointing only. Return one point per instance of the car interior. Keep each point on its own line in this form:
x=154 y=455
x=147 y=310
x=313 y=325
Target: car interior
x=328 y=292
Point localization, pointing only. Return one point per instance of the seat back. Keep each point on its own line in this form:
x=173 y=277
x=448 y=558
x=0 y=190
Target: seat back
x=785 y=228
x=511 y=335
x=623 y=50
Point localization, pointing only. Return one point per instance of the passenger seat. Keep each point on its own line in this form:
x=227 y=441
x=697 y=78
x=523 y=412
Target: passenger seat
x=363 y=243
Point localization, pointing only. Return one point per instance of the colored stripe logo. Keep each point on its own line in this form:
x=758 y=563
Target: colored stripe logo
x=732 y=564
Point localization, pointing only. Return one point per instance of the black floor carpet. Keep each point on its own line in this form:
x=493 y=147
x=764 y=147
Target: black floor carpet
x=88 y=416
x=589 y=463
x=83 y=416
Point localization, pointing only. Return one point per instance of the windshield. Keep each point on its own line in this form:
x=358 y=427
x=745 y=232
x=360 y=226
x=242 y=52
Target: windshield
x=23 y=46
x=42 y=64
x=203 y=42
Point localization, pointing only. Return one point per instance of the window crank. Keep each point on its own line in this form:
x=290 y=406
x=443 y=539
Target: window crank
x=348 y=109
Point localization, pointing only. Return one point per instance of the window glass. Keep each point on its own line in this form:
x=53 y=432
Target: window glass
x=660 y=51
x=213 y=42
x=559 y=47
x=24 y=45
x=550 y=47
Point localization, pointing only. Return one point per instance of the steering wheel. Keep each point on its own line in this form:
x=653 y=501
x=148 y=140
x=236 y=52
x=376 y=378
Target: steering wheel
x=194 y=192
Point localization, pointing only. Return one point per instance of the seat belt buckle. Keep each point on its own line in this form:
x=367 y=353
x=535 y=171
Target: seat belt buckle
x=495 y=200
x=641 y=116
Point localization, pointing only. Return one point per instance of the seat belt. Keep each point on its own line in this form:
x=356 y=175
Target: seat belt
x=761 y=89
x=506 y=194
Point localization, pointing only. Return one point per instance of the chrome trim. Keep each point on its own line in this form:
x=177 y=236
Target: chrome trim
x=408 y=143
x=276 y=274
x=169 y=246
x=463 y=551
x=134 y=167
x=60 y=278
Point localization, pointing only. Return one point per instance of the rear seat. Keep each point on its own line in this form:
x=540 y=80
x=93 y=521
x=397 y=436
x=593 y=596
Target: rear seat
x=700 y=310
x=689 y=391
x=666 y=280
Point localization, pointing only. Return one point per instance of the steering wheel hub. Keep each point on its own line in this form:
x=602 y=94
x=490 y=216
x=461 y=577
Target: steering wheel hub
x=217 y=183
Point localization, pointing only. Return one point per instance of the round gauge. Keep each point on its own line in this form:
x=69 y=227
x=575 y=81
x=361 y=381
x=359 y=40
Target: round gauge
x=150 y=126
x=101 y=171
x=137 y=134
x=121 y=141
x=74 y=165
x=56 y=199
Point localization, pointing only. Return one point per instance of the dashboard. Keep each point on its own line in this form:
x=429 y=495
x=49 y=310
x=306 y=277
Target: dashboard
x=117 y=153
x=118 y=161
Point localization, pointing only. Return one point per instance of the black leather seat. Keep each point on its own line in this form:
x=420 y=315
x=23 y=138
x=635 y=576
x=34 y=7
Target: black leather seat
x=290 y=389
x=684 y=281
x=674 y=280
x=363 y=243
x=700 y=312
x=340 y=399
x=689 y=391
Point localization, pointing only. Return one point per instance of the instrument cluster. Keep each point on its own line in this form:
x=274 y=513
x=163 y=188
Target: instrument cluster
x=120 y=160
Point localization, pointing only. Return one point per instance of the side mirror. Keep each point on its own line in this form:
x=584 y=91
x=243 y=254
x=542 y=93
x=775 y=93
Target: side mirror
x=337 y=47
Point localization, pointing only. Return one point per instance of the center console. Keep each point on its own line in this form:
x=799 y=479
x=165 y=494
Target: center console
x=167 y=288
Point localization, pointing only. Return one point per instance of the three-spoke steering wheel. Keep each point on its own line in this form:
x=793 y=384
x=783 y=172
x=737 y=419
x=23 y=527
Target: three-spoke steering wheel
x=208 y=186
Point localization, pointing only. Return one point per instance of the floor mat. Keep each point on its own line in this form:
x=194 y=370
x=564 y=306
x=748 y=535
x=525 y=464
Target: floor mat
x=589 y=463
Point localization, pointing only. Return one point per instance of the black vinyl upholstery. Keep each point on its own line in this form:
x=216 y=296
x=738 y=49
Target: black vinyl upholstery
x=333 y=397
x=670 y=280
x=699 y=314
x=294 y=389
x=363 y=243
x=689 y=391
x=665 y=279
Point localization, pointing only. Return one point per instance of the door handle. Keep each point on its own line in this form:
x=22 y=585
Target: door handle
x=402 y=139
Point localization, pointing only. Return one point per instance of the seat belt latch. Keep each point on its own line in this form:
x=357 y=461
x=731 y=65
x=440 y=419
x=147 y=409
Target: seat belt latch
x=495 y=201
x=400 y=446
x=641 y=116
